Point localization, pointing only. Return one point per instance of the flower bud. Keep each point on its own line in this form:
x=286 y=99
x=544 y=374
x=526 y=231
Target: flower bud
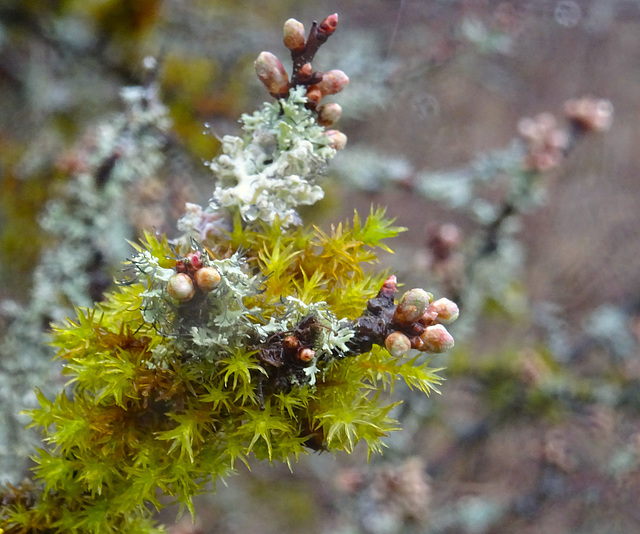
x=412 y=306
x=290 y=343
x=272 y=74
x=329 y=114
x=436 y=339
x=590 y=113
x=207 y=278
x=389 y=287
x=193 y=261
x=446 y=311
x=305 y=72
x=294 y=38
x=306 y=355
x=397 y=344
x=328 y=25
x=333 y=82
x=180 y=287
x=337 y=140
x=314 y=95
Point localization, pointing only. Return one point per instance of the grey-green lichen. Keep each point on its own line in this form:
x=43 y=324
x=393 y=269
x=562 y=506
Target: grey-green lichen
x=86 y=227
x=228 y=318
x=268 y=172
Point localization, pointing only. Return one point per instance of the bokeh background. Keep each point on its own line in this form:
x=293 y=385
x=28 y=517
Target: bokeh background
x=537 y=427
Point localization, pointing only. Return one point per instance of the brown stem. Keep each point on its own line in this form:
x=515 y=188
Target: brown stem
x=318 y=35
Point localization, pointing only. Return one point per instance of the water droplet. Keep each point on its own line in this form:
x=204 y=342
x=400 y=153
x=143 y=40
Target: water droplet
x=567 y=13
x=149 y=63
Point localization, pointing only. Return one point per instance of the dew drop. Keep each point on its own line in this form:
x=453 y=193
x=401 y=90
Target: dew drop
x=568 y=13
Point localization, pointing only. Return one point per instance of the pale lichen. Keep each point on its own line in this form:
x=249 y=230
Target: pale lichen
x=266 y=174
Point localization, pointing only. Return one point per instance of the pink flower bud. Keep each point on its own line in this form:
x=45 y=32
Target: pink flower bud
x=207 y=278
x=329 y=114
x=306 y=355
x=333 y=82
x=314 y=95
x=193 y=261
x=412 y=306
x=397 y=344
x=328 y=25
x=436 y=339
x=337 y=140
x=180 y=287
x=272 y=74
x=389 y=287
x=590 y=113
x=445 y=310
x=306 y=71
x=294 y=37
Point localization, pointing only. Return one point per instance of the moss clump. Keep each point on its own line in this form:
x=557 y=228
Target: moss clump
x=168 y=396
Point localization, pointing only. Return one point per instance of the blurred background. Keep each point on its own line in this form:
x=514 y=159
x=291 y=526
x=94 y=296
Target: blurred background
x=537 y=427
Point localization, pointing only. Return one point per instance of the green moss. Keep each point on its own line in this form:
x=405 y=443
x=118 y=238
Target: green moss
x=157 y=405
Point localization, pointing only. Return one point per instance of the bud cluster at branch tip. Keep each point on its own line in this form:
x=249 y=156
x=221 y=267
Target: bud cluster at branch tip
x=272 y=74
x=589 y=114
x=417 y=322
x=191 y=275
x=547 y=143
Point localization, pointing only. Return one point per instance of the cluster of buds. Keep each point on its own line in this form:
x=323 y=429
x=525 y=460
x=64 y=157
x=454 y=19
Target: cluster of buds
x=546 y=142
x=589 y=114
x=292 y=349
x=303 y=48
x=191 y=275
x=418 y=323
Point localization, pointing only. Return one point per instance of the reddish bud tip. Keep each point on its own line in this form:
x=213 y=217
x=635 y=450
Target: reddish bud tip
x=193 y=261
x=329 y=25
x=389 y=287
